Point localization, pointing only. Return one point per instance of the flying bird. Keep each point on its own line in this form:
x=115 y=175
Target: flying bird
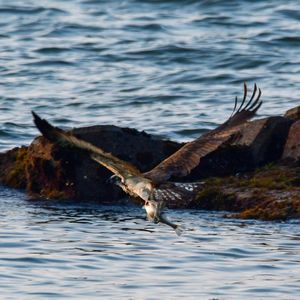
x=154 y=187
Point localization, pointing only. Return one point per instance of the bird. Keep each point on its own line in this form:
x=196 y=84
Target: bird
x=155 y=187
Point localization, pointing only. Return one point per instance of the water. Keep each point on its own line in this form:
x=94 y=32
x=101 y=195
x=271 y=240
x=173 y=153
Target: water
x=56 y=250
x=171 y=68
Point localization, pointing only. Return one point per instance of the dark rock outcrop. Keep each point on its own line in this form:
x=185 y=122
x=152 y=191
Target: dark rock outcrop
x=293 y=113
x=261 y=142
x=292 y=145
x=233 y=175
x=50 y=171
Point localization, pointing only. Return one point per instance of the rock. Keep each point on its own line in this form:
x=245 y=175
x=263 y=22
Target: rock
x=50 y=171
x=292 y=145
x=266 y=139
x=47 y=170
x=270 y=193
x=12 y=168
x=293 y=113
x=261 y=142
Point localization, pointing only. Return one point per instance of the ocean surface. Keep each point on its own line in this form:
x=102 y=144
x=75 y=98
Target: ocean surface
x=171 y=68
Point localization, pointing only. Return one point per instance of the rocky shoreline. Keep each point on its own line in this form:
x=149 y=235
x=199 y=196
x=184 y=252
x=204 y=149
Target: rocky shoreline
x=256 y=176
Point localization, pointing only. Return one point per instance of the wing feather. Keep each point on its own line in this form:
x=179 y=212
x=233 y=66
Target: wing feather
x=54 y=134
x=173 y=194
x=182 y=162
x=245 y=111
x=187 y=158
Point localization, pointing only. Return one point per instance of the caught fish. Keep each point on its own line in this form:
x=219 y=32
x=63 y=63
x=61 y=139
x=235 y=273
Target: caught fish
x=155 y=214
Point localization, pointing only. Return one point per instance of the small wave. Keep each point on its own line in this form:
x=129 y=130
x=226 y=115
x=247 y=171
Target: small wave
x=248 y=63
x=45 y=63
x=145 y=27
x=27 y=10
x=288 y=41
x=51 y=50
x=164 y=51
x=5 y=134
x=181 y=2
x=193 y=132
x=290 y=13
x=66 y=29
x=21 y=10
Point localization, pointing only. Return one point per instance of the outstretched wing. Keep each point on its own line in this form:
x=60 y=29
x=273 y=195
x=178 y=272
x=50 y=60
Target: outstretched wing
x=187 y=158
x=245 y=111
x=54 y=134
x=182 y=162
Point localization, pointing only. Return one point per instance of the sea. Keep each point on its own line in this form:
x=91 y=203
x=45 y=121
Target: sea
x=173 y=69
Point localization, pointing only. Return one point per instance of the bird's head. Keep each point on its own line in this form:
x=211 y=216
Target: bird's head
x=150 y=206
x=151 y=210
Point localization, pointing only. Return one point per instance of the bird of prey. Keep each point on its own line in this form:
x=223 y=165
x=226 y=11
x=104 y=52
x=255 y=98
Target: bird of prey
x=154 y=187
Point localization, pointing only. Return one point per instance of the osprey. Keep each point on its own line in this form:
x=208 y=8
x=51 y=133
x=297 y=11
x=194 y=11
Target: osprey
x=154 y=187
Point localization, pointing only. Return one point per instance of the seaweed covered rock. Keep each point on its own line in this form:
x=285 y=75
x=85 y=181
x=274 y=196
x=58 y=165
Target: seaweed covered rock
x=12 y=167
x=269 y=193
x=50 y=171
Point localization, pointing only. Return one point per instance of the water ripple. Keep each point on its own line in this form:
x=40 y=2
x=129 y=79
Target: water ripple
x=108 y=59
x=172 y=68
x=87 y=250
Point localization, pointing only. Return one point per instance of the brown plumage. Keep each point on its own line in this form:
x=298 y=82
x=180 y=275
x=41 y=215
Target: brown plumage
x=153 y=185
x=182 y=162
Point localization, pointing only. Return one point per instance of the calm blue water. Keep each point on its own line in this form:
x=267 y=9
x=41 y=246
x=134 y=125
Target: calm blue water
x=171 y=68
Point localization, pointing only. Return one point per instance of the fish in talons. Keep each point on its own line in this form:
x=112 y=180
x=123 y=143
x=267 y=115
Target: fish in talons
x=155 y=213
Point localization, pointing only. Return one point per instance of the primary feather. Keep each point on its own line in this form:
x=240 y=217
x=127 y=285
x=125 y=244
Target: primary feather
x=182 y=162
